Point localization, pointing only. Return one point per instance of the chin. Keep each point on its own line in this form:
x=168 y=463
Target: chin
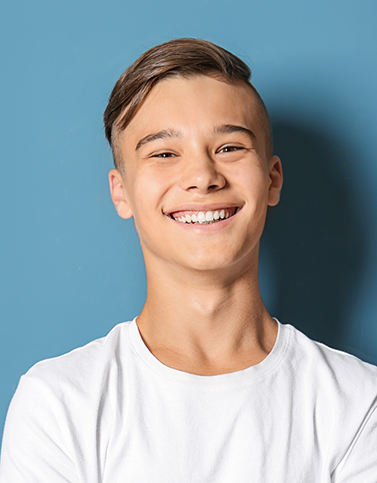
x=211 y=263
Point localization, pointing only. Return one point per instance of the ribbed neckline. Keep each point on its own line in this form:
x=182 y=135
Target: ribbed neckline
x=245 y=376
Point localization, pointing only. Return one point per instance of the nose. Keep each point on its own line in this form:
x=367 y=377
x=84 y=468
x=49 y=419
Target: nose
x=202 y=175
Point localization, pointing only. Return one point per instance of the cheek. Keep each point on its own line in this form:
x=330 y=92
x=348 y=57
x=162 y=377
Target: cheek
x=254 y=184
x=147 y=199
x=255 y=188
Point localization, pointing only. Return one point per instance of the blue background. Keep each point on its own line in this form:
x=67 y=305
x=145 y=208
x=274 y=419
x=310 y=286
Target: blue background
x=71 y=269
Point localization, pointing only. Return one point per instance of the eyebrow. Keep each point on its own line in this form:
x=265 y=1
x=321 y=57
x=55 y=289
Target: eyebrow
x=171 y=133
x=231 y=128
x=168 y=133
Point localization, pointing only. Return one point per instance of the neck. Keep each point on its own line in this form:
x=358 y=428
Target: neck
x=205 y=322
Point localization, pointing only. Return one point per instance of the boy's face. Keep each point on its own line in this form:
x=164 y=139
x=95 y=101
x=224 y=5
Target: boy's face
x=196 y=176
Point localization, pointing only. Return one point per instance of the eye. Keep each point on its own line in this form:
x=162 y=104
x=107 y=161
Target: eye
x=230 y=149
x=163 y=155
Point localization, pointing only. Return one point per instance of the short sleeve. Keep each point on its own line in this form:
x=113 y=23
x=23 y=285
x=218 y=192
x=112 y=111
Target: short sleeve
x=359 y=465
x=33 y=448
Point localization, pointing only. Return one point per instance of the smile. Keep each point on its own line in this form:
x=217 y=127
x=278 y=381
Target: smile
x=204 y=217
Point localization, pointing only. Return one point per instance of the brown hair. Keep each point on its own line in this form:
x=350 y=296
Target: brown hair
x=181 y=57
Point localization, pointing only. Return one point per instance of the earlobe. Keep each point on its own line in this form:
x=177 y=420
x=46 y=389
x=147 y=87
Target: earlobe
x=118 y=194
x=276 y=181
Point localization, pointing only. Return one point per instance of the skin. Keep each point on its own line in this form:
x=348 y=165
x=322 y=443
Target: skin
x=197 y=145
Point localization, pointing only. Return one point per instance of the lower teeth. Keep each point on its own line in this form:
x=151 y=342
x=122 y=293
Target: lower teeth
x=204 y=222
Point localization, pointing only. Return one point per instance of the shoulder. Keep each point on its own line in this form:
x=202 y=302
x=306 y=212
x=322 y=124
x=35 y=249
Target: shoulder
x=83 y=369
x=59 y=406
x=315 y=356
x=58 y=401
x=337 y=392
x=344 y=385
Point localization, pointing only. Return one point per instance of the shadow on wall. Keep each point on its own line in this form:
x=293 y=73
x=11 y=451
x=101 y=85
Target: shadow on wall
x=314 y=236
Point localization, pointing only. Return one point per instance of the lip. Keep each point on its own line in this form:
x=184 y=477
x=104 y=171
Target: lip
x=195 y=207
x=204 y=228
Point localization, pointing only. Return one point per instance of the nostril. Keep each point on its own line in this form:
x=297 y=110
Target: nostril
x=203 y=181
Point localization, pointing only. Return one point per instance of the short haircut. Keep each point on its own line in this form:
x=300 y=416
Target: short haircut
x=181 y=57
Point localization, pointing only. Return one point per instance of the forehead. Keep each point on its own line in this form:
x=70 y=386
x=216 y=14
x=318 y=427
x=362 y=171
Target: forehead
x=197 y=101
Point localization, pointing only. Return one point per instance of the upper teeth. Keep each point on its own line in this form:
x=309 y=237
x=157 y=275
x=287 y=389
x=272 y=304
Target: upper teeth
x=203 y=217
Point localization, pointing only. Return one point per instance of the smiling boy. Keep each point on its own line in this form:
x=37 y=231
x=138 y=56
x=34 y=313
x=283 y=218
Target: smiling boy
x=204 y=386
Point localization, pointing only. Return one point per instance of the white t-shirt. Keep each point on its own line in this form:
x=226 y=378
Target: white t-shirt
x=110 y=412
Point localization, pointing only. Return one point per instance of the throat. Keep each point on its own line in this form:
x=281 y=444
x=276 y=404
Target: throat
x=210 y=354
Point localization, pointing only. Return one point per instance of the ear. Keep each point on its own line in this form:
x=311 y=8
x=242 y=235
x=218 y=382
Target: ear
x=276 y=181
x=118 y=195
